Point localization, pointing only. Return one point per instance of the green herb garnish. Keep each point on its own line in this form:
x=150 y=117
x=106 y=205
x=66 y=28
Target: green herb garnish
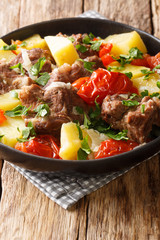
x=130 y=103
x=79 y=131
x=36 y=68
x=42 y=110
x=43 y=79
x=129 y=74
x=81 y=48
x=17 y=111
x=28 y=133
x=18 y=66
x=144 y=93
x=142 y=108
x=23 y=44
x=9 y=47
x=1 y=136
x=117 y=136
x=84 y=150
x=87 y=65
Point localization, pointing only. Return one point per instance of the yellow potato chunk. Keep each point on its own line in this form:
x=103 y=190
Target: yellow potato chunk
x=8 y=102
x=70 y=142
x=10 y=131
x=148 y=84
x=62 y=50
x=135 y=70
x=35 y=41
x=123 y=42
x=6 y=54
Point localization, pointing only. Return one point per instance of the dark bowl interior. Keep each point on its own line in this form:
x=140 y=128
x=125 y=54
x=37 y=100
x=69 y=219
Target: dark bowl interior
x=101 y=28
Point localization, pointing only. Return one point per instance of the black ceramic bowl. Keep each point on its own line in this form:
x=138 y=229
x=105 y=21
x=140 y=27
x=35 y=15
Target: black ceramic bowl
x=101 y=28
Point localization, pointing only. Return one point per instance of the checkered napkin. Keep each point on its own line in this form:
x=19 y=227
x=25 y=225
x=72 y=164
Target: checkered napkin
x=64 y=189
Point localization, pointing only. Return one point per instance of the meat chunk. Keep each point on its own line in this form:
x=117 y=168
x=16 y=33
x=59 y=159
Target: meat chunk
x=10 y=79
x=138 y=120
x=34 y=54
x=61 y=100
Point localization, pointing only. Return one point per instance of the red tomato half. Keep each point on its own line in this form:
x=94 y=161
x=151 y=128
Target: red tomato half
x=2 y=117
x=42 y=145
x=141 y=62
x=103 y=82
x=153 y=61
x=78 y=83
x=113 y=147
x=105 y=48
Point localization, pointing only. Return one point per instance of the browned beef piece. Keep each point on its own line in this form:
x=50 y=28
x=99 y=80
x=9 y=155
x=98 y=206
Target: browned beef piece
x=138 y=123
x=10 y=79
x=34 y=54
x=31 y=96
x=61 y=101
x=67 y=73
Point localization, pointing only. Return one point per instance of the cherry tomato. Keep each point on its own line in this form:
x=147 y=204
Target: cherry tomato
x=113 y=147
x=78 y=83
x=153 y=61
x=2 y=117
x=105 y=48
x=103 y=82
x=141 y=62
x=107 y=59
x=42 y=145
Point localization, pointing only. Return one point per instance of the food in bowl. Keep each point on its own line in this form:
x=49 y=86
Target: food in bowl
x=78 y=97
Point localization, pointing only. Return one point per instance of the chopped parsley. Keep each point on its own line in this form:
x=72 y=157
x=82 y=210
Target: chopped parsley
x=134 y=53
x=42 y=110
x=115 y=68
x=79 y=131
x=158 y=84
x=144 y=93
x=71 y=39
x=142 y=108
x=23 y=44
x=84 y=150
x=129 y=74
x=81 y=48
x=18 y=66
x=87 y=65
x=9 y=47
x=28 y=133
x=43 y=79
x=130 y=103
x=148 y=72
x=36 y=68
x=17 y=111
x=95 y=45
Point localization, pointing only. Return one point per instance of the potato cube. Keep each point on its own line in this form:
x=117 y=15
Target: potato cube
x=10 y=131
x=62 y=50
x=6 y=54
x=123 y=42
x=35 y=41
x=8 y=102
x=70 y=142
x=148 y=84
x=135 y=70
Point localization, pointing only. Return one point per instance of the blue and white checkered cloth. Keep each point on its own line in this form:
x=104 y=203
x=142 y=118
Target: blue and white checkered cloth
x=64 y=189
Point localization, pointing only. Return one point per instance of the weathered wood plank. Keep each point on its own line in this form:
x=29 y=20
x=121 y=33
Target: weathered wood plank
x=156 y=17
x=9 y=16
x=135 y=13
x=46 y=10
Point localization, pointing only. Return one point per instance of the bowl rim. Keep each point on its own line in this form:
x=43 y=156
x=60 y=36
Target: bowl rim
x=136 y=151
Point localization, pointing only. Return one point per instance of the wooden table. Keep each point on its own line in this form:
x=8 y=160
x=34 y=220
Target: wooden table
x=127 y=208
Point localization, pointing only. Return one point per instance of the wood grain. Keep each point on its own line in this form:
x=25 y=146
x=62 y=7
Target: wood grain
x=135 y=13
x=127 y=208
x=156 y=17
